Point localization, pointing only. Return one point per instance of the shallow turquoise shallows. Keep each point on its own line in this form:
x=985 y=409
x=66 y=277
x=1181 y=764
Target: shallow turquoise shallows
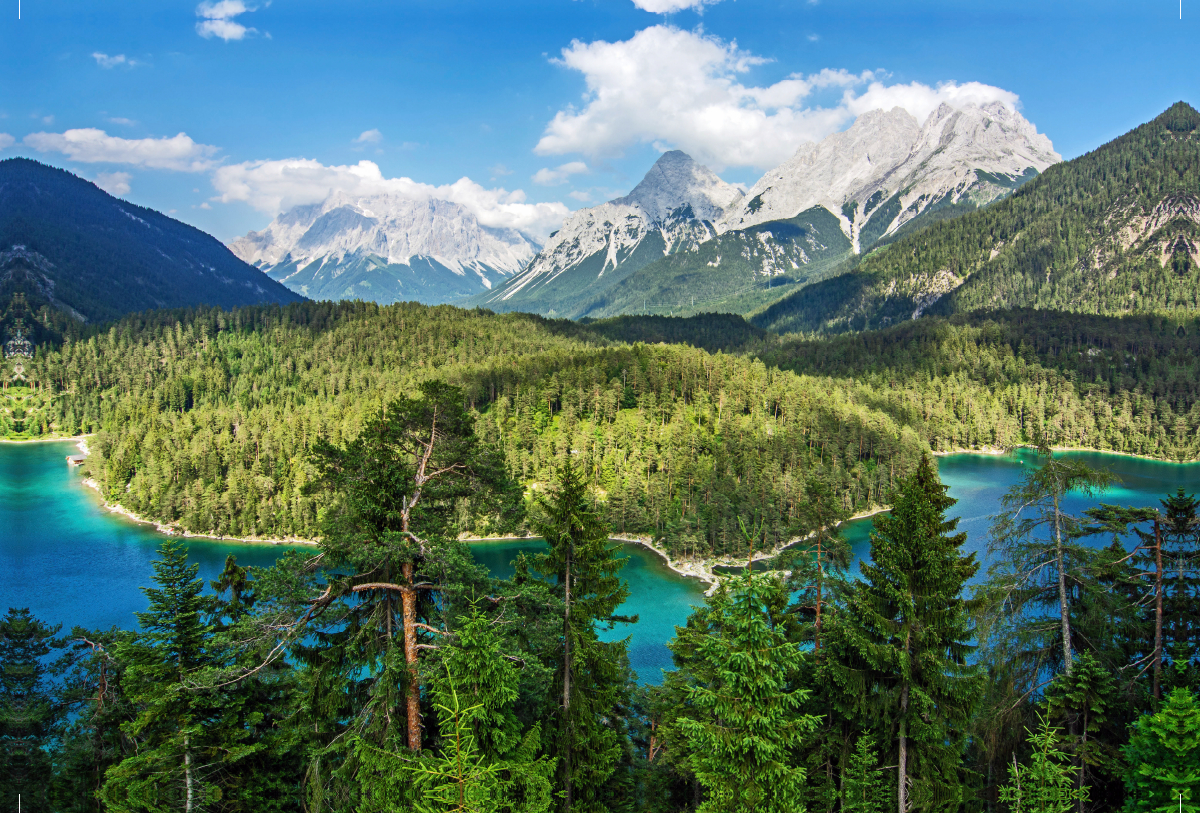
x=74 y=563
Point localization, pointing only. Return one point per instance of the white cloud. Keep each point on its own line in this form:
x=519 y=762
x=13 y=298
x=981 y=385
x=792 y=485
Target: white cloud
x=669 y=6
x=122 y=121
x=217 y=20
x=96 y=146
x=276 y=186
x=560 y=174
x=682 y=89
x=581 y=196
x=369 y=137
x=106 y=61
x=114 y=183
x=6 y=141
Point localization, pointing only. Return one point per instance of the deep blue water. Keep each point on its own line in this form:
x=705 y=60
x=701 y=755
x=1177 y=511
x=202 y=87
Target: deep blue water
x=71 y=562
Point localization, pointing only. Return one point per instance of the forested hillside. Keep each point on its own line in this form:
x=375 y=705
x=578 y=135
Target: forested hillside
x=1115 y=231
x=66 y=244
x=206 y=418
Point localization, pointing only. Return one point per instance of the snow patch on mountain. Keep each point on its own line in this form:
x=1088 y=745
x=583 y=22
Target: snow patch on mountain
x=678 y=199
x=393 y=228
x=972 y=154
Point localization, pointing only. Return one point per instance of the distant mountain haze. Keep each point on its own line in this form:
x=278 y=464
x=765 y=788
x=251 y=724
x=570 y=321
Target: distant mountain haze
x=385 y=248
x=1115 y=231
x=67 y=244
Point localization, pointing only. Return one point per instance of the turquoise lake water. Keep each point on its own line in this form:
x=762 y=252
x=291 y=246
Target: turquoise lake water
x=73 y=563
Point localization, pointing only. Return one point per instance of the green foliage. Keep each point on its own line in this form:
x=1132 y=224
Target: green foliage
x=1164 y=758
x=590 y=739
x=899 y=651
x=483 y=763
x=742 y=722
x=28 y=715
x=170 y=767
x=1048 y=783
x=864 y=789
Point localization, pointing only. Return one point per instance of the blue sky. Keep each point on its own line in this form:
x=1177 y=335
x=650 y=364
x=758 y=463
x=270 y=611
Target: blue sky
x=524 y=109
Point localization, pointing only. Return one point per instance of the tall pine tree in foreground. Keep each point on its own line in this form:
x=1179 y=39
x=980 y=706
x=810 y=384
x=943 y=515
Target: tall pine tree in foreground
x=591 y=687
x=743 y=726
x=172 y=759
x=899 y=650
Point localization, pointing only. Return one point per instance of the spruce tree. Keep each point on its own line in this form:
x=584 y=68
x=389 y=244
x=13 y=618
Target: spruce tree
x=28 y=709
x=744 y=726
x=590 y=681
x=1164 y=758
x=864 y=789
x=899 y=650
x=171 y=765
x=1048 y=784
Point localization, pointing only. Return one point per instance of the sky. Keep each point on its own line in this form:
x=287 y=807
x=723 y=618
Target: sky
x=226 y=113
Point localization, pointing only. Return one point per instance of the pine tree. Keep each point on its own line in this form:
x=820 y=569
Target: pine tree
x=898 y=652
x=1164 y=758
x=482 y=762
x=169 y=769
x=744 y=726
x=1035 y=538
x=864 y=788
x=1048 y=784
x=590 y=680
x=28 y=711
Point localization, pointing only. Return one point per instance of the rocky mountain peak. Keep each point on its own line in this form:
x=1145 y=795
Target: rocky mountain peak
x=677 y=180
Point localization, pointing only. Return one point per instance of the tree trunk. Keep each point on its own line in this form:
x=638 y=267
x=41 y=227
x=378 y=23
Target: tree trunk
x=1158 y=610
x=187 y=773
x=567 y=685
x=409 y=603
x=1064 y=615
x=902 y=762
x=820 y=583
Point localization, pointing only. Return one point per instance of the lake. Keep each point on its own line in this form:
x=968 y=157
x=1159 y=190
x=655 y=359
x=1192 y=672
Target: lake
x=71 y=562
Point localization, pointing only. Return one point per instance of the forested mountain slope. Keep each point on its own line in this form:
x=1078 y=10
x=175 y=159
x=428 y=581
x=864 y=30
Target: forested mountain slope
x=1115 y=231
x=206 y=418
x=67 y=244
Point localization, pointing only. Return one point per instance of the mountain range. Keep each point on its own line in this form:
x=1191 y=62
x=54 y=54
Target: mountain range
x=68 y=245
x=887 y=175
x=385 y=248
x=1115 y=231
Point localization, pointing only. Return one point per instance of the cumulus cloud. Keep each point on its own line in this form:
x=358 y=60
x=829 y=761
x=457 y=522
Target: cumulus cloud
x=6 y=141
x=560 y=174
x=669 y=6
x=114 y=183
x=685 y=90
x=92 y=146
x=106 y=61
x=369 y=137
x=276 y=186
x=217 y=20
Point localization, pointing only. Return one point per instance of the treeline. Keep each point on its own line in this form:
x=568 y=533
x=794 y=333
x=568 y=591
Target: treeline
x=1112 y=231
x=386 y=672
x=1002 y=378
x=205 y=419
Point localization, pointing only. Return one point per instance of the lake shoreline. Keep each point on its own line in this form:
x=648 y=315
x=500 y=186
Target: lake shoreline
x=168 y=530
x=692 y=569
x=999 y=451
